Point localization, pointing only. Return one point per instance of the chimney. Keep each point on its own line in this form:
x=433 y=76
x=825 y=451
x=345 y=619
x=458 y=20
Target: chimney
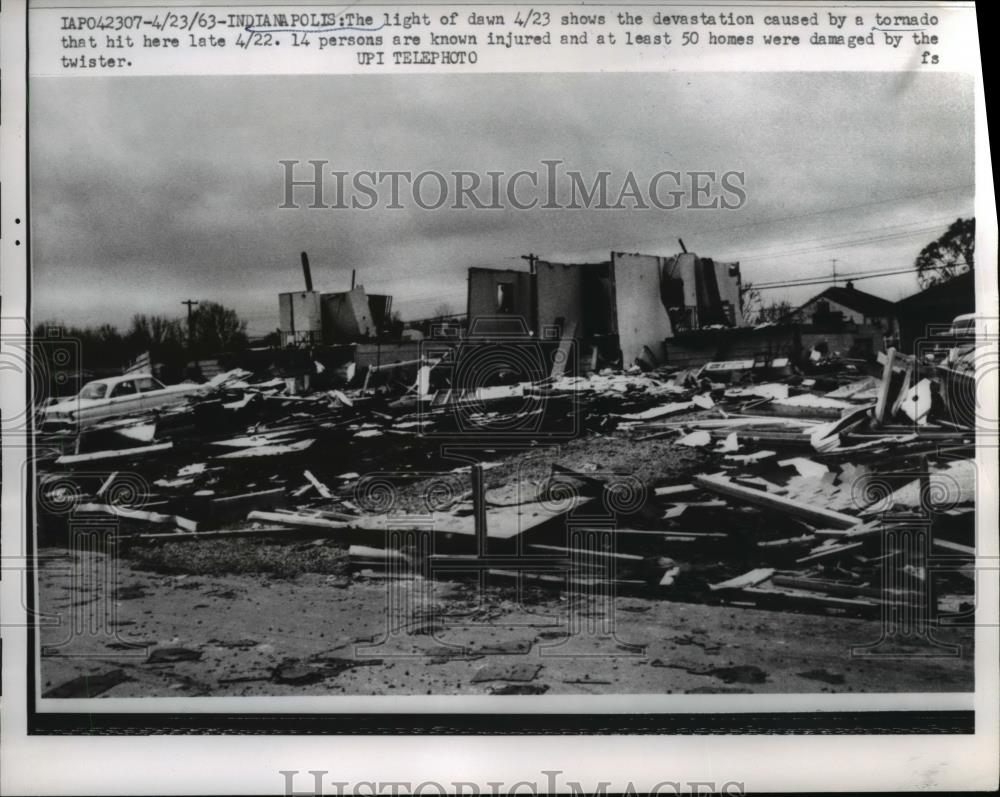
x=306 y=272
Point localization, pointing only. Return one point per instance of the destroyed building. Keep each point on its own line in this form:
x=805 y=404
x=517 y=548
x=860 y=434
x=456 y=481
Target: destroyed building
x=622 y=307
x=310 y=318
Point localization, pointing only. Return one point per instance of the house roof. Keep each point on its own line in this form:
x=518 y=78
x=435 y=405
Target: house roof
x=865 y=303
x=960 y=290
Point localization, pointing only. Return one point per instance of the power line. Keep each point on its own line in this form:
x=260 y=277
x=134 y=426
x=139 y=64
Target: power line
x=853 y=277
x=858 y=274
x=874 y=239
x=882 y=228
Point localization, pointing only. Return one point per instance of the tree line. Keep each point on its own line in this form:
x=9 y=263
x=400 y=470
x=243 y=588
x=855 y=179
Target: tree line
x=172 y=343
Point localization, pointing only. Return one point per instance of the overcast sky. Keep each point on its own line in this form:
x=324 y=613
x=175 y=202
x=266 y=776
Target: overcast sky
x=149 y=191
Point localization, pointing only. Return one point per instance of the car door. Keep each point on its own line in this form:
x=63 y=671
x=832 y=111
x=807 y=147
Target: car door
x=124 y=399
x=151 y=393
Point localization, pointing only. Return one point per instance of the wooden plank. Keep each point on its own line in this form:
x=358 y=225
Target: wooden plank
x=275 y=450
x=107 y=484
x=298 y=519
x=842 y=588
x=812 y=514
x=557 y=580
x=503 y=523
x=368 y=554
x=822 y=553
x=93 y=456
x=811 y=598
x=805 y=538
x=138 y=514
x=561 y=359
x=624 y=557
x=882 y=404
x=224 y=500
x=663 y=533
x=955 y=546
x=897 y=405
x=751 y=579
x=674 y=489
x=321 y=488
x=187 y=536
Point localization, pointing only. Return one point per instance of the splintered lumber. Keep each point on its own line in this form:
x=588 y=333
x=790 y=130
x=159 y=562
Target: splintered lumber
x=674 y=489
x=187 y=536
x=897 y=405
x=751 y=579
x=502 y=523
x=669 y=576
x=806 y=598
x=562 y=356
x=368 y=555
x=882 y=404
x=321 y=488
x=824 y=552
x=658 y=412
x=240 y=504
x=826 y=437
x=584 y=552
x=298 y=519
x=805 y=538
x=948 y=545
x=268 y=450
x=568 y=580
x=107 y=484
x=841 y=588
x=139 y=514
x=815 y=515
x=274 y=492
x=73 y=459
x=671 y=534
x=679 y=508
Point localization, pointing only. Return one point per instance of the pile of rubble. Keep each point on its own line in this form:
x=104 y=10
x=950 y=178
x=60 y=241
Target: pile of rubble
x=839 y=490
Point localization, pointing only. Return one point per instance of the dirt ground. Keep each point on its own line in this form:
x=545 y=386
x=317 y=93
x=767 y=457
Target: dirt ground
x=325 y=633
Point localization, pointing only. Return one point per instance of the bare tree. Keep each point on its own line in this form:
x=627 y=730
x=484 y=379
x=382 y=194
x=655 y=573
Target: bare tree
x=750 y=302
x=215 y=328
x=154 y=331
x=758 y=311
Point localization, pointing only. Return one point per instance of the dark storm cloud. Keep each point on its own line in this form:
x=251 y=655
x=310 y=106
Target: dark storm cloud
x=149 y=191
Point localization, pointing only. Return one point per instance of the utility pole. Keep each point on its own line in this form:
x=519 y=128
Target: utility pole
x=190 y=305
x=833 y=260
x=532 y=317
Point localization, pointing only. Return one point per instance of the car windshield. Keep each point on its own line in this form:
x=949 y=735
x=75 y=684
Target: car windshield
x=95 y=390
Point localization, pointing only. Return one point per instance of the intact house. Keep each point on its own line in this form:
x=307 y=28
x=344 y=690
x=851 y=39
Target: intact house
x=620 y=309
x=847 y=320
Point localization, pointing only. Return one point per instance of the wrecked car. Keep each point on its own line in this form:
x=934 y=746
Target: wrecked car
x=117 y=396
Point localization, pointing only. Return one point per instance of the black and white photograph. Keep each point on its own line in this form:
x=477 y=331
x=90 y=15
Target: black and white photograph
x=507 y=385
x=608 y=389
